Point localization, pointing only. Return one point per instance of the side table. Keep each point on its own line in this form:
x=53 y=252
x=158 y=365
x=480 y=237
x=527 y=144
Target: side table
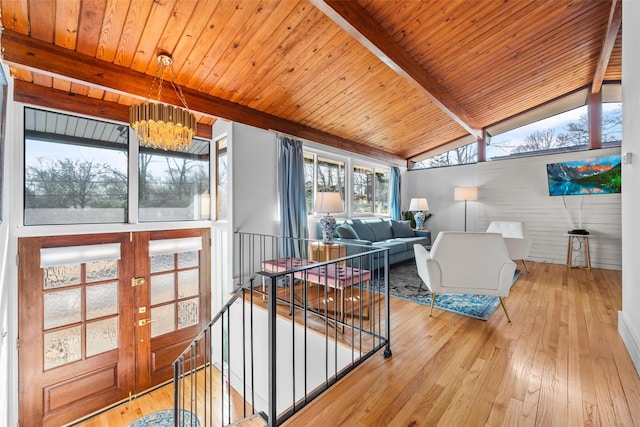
x=326 y=251
x=584 y=247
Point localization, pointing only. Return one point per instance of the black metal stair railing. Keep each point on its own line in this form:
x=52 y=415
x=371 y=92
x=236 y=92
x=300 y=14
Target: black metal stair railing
x=293 y=328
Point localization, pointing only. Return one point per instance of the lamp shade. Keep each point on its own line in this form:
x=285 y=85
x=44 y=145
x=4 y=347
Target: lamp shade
x=419 y=205
x=328 y=202
x=465 y=193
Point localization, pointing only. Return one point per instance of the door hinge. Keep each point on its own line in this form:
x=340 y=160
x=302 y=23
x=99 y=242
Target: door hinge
x=17 y=260
x=137 y=281
x=17 y=344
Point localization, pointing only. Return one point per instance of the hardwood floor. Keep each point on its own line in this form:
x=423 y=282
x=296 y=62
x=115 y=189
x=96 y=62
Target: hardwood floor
x=561 y=362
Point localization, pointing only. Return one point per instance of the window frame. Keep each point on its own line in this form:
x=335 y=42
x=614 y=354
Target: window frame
x=350 y=162
x=17 y=169
x=610 y=93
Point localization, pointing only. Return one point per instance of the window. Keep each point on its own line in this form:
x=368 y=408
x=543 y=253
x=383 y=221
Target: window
x=369 y=184
x=557 y=126
x=612 y=123
x=309 y=179
x=461 y=155
x=75 y=169
x=174 y=186
x=76 y=172
x=222 y=179
x=568 y=129
x=611 y=115
x=329 y=177
x=370 y=190
x=323 y=175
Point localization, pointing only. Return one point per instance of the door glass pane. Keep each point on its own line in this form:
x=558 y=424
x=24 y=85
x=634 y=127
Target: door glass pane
x=187 y=313
x=188 y=283
x=61 y=275
x=188 y=259
x=98 y=271
x=163 y=262
x=162 y=288
x=62 y=347
x=102 y=300
x=163 y=319
x=62 y=308
x=102 y=336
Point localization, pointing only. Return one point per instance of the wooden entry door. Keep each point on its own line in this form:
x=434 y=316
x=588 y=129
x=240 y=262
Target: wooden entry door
x=172 y=303
x=87 y=306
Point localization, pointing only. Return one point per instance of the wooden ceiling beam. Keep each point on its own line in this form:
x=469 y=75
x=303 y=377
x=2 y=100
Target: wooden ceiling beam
x=613 y=27
x=354 y=19
x=31 y=93
x=24 y=52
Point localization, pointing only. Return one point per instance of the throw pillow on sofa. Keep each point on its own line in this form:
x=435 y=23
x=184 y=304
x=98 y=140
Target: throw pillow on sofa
x=401 y=229
x=345 y=231
x=381 y=229
x=363 y=230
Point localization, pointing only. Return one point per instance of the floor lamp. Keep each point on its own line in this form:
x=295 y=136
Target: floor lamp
x=465 y=193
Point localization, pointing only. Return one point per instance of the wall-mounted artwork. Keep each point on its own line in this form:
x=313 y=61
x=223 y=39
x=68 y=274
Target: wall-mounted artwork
x=599 y=175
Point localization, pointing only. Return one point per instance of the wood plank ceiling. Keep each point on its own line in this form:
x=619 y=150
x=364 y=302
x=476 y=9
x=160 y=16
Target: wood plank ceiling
x=388 y=79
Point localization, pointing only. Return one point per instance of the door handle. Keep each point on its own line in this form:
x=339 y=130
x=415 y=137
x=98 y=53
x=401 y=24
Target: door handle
x=143 y=322
x=137 y=281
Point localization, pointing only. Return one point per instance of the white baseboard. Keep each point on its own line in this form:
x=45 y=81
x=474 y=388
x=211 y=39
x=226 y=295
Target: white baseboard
x=630 y=339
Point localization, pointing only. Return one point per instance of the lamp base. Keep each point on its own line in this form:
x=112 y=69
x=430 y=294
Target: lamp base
x=419 y=217
x=328 y=225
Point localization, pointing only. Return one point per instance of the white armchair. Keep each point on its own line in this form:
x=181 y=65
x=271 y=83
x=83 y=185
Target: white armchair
x=516 y=237
x=466 y=263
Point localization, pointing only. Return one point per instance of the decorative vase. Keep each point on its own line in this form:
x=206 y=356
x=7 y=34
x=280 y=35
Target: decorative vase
x=327 y=224
x=419 y=217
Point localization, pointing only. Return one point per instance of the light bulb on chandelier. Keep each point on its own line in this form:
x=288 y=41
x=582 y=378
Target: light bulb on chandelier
x=159 y=125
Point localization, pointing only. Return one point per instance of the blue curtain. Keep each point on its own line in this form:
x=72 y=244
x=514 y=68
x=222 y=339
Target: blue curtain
x=394 y=207
x=293 y=206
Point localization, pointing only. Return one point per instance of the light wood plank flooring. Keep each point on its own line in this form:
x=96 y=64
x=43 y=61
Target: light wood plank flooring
x=561 y=362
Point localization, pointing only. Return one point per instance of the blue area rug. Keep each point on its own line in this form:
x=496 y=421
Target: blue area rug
x=164 y=418
x=404 y=283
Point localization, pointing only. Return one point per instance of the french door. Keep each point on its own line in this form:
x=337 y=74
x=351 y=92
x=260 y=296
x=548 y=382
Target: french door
x=102 y=317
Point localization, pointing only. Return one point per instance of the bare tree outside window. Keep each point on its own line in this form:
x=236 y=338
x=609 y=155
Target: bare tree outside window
x=458 y=156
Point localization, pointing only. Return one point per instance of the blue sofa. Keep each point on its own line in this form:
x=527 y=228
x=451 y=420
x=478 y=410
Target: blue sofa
x=396 y=236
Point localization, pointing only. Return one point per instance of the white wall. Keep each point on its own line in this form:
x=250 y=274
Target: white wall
x=254 y=155
x=437 y=186
x=629 y=317
x=516 y=190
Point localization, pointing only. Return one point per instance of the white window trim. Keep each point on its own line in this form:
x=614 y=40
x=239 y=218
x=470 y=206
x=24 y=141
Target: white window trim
x=350 y=160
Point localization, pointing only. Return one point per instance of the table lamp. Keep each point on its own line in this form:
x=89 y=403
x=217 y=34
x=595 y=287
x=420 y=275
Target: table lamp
x=417 y=206
x=327 y=202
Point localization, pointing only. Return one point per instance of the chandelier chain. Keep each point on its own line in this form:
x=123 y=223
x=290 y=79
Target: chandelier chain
x=177 y=89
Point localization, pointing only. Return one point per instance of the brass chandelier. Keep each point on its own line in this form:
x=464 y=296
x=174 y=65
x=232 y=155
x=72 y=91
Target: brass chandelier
x=159 y=125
